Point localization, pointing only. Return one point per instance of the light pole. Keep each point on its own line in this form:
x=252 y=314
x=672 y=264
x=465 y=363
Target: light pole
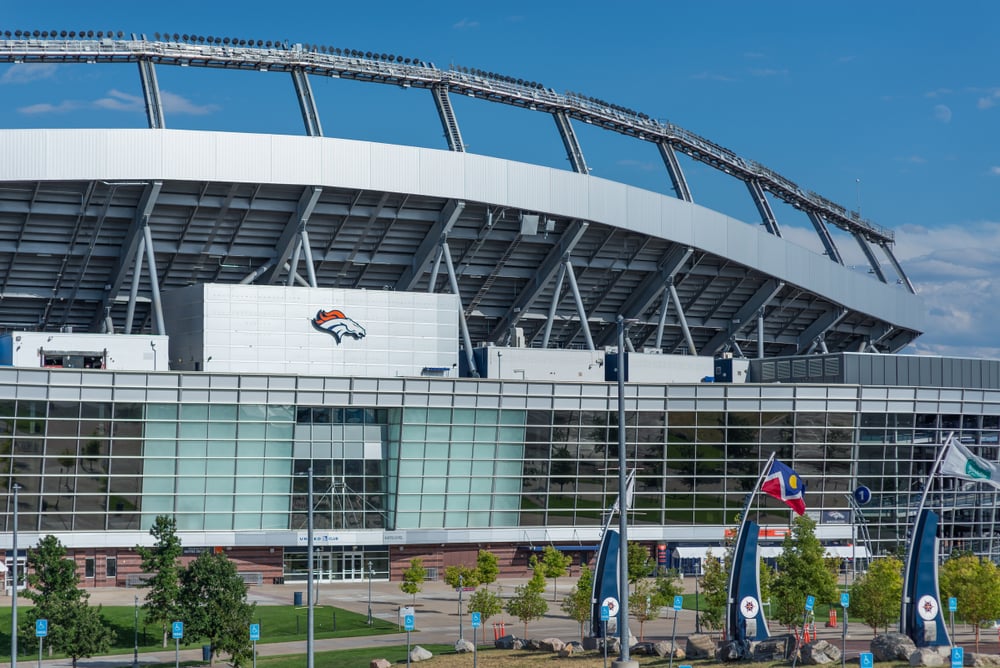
x=13 y=587
x=135 y=636
x=623 y=633
x=370 y=593
x=461 y=586
x=309 y=564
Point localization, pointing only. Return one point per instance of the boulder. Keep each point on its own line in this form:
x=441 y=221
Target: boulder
x=820 y=653
x=418 y=654
x=551 y=644
x=380 y=663
x=533 y=645
x=463 y=646
x=700 y=646
x=931 y=656
x=642 y=649
x=505 y=642
x=664 y=648
x=981 y=660
x=775 y=648
x=892 y=647
x=570 y=649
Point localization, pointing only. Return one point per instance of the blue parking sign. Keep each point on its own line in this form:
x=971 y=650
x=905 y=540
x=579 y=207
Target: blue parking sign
x=957 y=657
x=810 y=602
x=408 y=622
x=177 y=630
x=845 y=599
x=605 y=613
x=41 y=628
x=952 y=604
x=255 y=632
x=477 y=620
x=678 y=602
x=866 y=660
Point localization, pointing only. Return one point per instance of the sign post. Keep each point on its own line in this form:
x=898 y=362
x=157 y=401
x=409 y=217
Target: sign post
x=845 y=603
x=408 y=622
x=254 y=637
x=605 y=616
x=477 y=621
x=41 y=630
x=952 y=607
x=810 y=604
x=177 y=632
x=678 y=604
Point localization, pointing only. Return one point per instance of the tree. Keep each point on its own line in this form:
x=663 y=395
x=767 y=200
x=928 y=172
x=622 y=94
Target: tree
x=461 y=576
x=640 y=563
x=486 y=603
x=528 y=604
x=488 y=567
x=213 y=600
x=579 y=604
x=875 y=596
x=714 y=590
x=413 y=578
x=803 y=570
x=668 y=585
x=555 y=564
x=75 y=628
x=976 y=584
x=645 y=602
x=162 y=562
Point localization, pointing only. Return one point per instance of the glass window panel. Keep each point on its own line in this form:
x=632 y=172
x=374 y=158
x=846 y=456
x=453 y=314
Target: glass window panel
x=194 y=412
x=161 y=412
x=432 y=485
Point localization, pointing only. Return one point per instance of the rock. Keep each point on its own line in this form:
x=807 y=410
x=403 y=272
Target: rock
x=930 y=656
x=519 y=644
x=733 y=651
x=700 y=646
x=570 y=649
x=533 y=645
x=505 y=642
x=551 y=644
x=463 y=646
x=380 y=663
x=418 y=654
x=775 y=648
x=892 y=647
x=642 y=649
x=664 y=648
x=980 y=660
x=820 y=653
x=591 y=643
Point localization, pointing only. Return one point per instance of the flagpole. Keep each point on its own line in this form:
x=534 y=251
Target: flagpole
x=739 y=535
x=916 y=518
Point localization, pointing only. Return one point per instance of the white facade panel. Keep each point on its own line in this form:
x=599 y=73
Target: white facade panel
x=485 y=179
x=273 y=329
x=346 y=163
x=396 y=168
x=69 y=349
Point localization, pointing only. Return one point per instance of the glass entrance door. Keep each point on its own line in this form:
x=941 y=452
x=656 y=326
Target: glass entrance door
x=352 y=566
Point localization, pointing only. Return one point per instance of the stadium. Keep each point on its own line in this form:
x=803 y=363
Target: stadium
x=202 y=324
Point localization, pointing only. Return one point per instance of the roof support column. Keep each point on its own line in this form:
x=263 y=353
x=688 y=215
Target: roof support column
x=824 y=235
x=675 y=298
x=552 y=306
x=899 y=269
x=763 y=206
x=134 y=290
x=584 y=325
x=307 y=251
x=154 y=281
x=448 y=119
x=681 y=187
x=870 y=254
x=151 y=94
x=573 y=150
x=307 y=103
x=463 y=325
x=760 y=334
x=293 y=266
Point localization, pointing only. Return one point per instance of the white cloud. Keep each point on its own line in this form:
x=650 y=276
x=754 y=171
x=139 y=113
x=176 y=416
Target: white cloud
x=768 y=72
x=178 y=104
x=995 y=170
x=116 y=100
x=47 y=108
x=711 y=76
x=466 y=24
x=26 y=73
x=942 y=112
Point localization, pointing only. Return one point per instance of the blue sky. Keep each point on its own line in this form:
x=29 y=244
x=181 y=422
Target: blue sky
x=889 y=107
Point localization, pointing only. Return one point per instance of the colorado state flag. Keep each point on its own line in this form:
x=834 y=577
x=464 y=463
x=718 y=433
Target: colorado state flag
x=784 y=484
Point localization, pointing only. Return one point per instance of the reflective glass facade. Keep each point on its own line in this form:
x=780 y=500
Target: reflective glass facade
x=400 y=461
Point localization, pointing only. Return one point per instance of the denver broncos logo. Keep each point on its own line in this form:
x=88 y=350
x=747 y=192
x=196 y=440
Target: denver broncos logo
x=337 y=325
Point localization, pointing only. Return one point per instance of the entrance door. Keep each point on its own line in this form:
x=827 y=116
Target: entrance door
x=353 y=566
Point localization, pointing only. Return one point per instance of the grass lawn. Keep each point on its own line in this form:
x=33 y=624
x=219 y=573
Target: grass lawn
x=278 y=623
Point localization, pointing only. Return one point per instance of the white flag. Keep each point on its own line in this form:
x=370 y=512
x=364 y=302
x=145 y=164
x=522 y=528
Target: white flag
x=629 y=493
x=961 y=463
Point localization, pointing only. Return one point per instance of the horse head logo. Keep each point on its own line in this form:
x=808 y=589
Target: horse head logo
x=337 y=325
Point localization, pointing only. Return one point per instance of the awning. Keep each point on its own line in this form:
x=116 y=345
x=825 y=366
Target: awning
x=561 y=548
x=847 y=551
x=770 y=552
x=687 y=552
